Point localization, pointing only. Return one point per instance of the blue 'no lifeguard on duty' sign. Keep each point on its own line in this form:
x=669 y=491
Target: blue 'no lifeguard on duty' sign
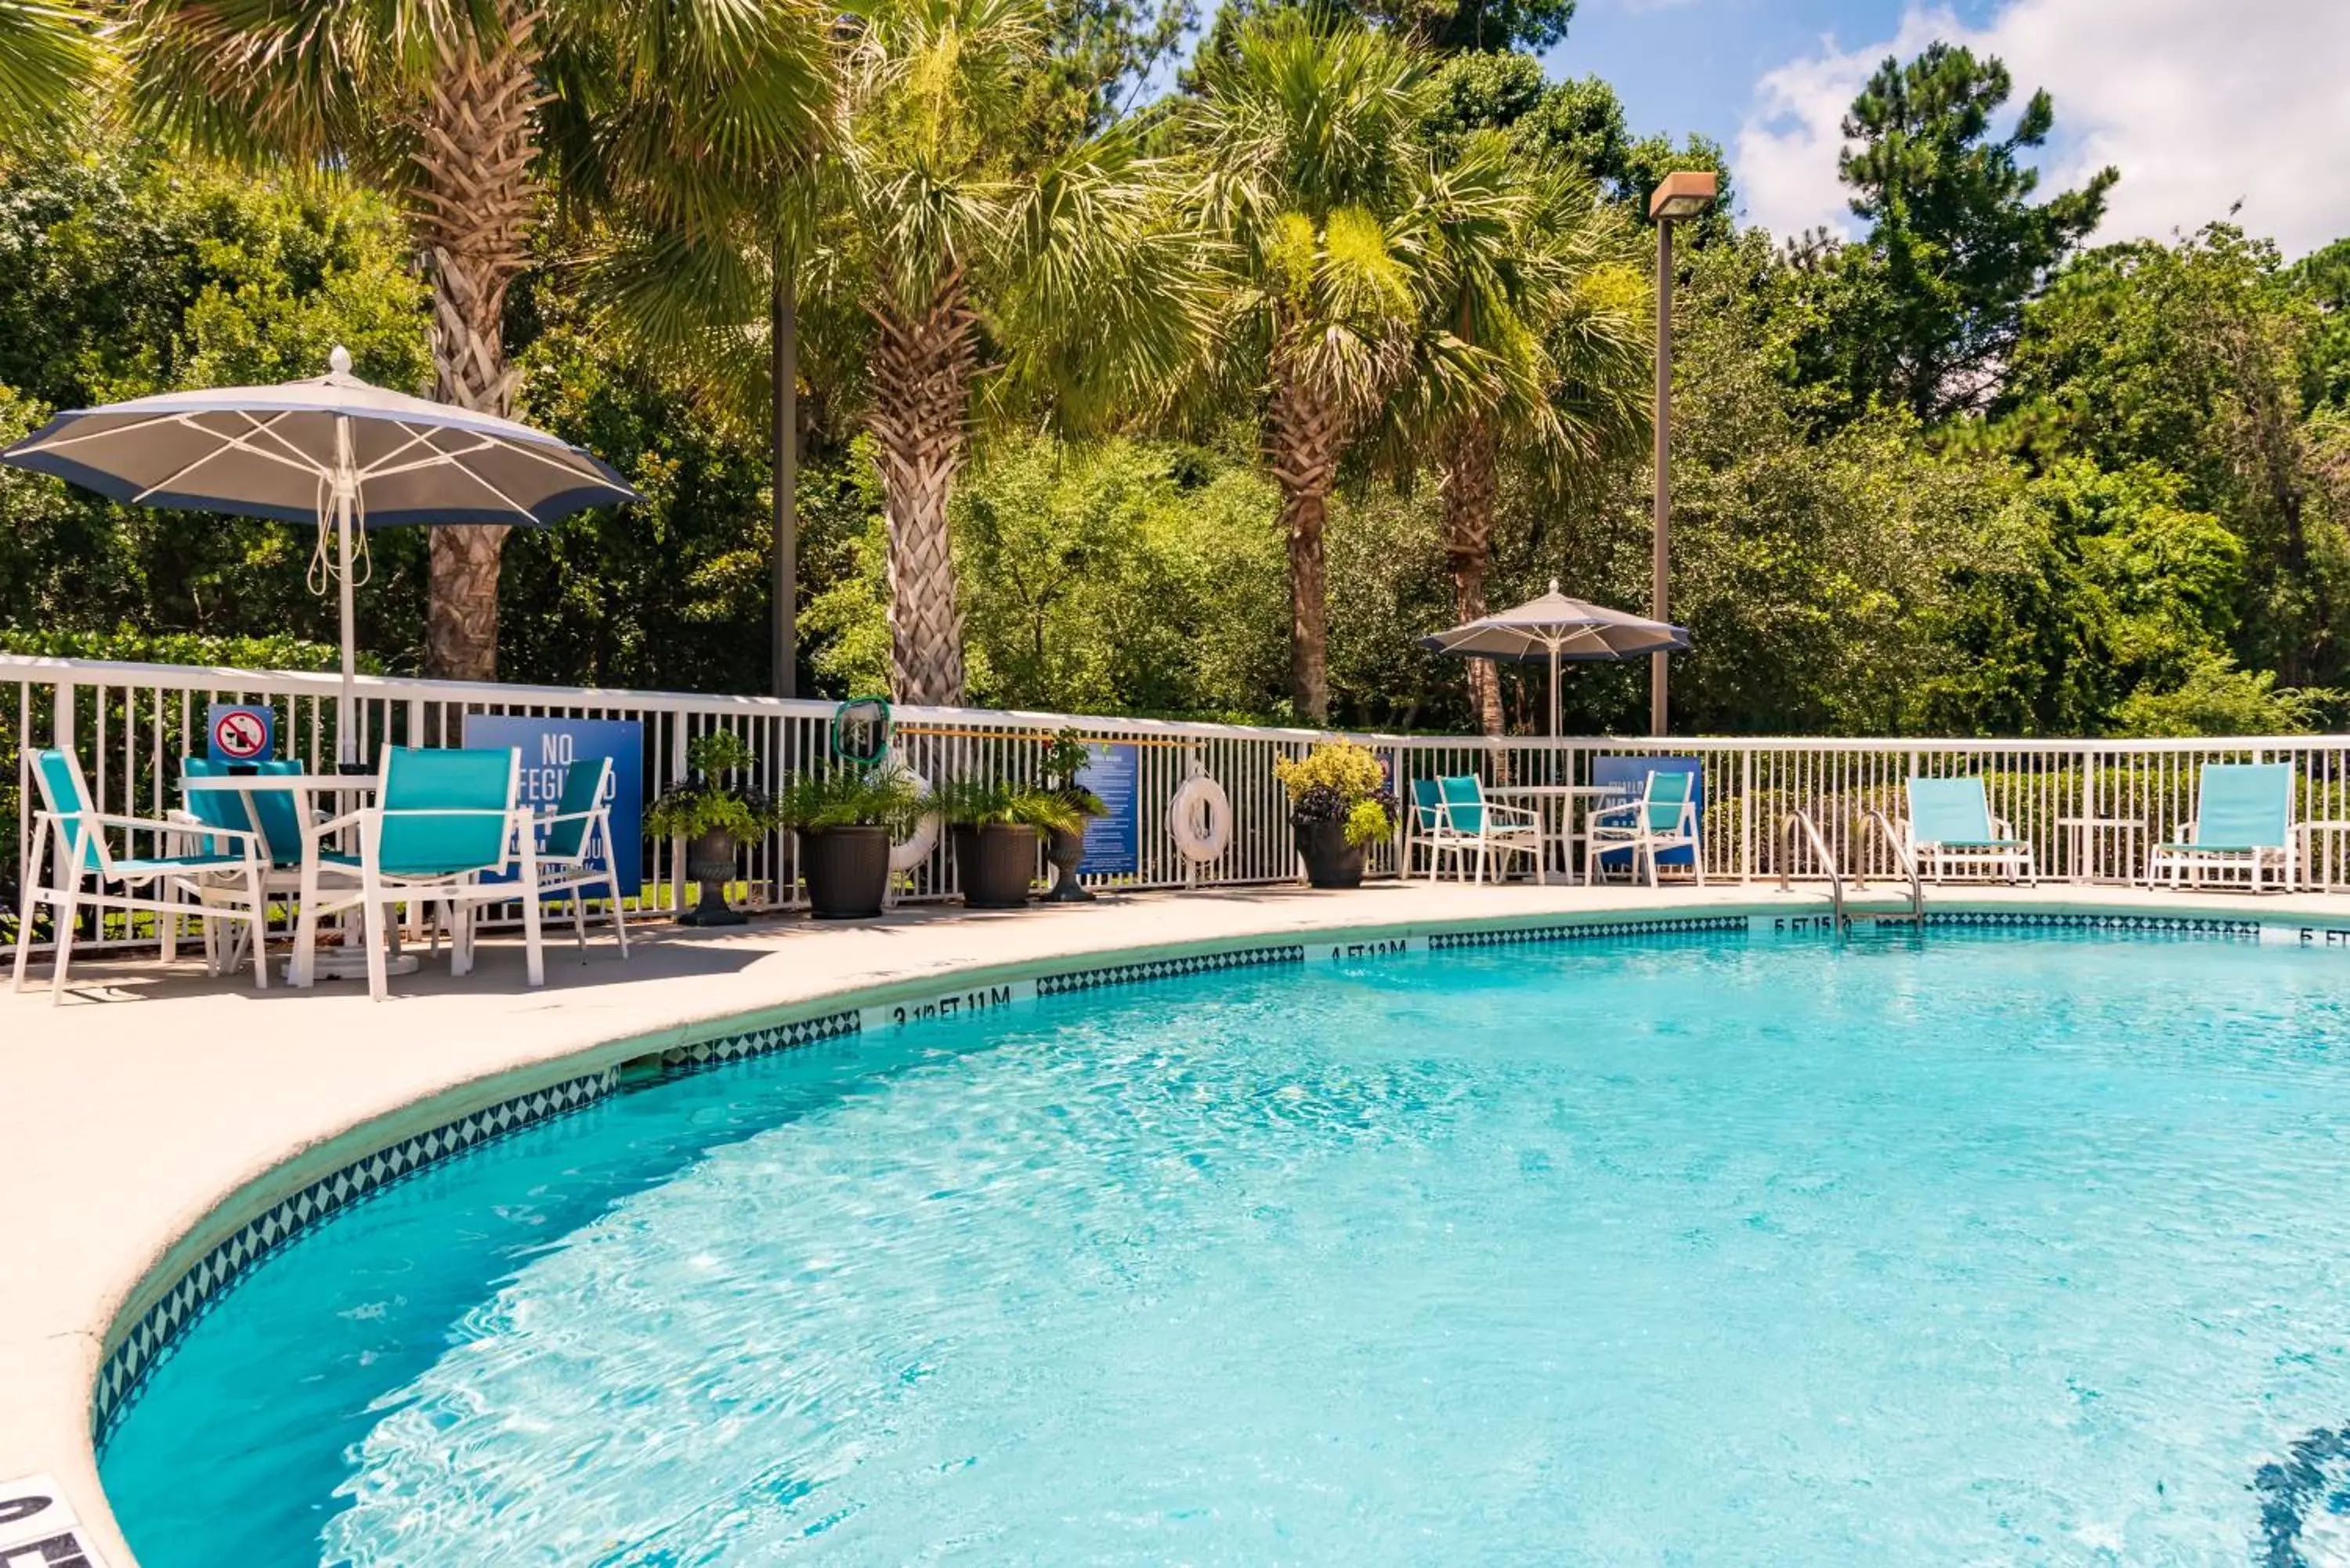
x=549 y=747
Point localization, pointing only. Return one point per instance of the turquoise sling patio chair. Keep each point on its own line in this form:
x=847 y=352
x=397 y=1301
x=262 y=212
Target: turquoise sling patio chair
x=1425 y=819
x=69 y=848
x=1467 y=823
x=1663 y=819
x=276 y=815
x=577 y=852
x=444 y=819
x=1952 y=831
x=2243 y=824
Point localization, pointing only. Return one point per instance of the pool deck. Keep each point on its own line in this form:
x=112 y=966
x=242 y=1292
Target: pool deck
x=152 y=1097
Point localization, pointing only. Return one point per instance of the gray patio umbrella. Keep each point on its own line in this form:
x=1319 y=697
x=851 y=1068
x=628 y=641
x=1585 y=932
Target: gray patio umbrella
x=333 y=450
x=1560 y=630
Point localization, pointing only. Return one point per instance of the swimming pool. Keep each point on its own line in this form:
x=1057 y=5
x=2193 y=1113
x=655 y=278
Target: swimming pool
x=1972 y=1248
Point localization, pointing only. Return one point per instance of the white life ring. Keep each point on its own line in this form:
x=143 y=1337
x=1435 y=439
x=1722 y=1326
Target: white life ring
x=914 y=851
x=1201 y=818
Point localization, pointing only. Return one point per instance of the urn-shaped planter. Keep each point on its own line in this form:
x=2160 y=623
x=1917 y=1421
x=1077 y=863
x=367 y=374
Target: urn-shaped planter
x=709 y=861
x=848 y=871
x=1330 y=860
x=1065 y=850
x=995 y=862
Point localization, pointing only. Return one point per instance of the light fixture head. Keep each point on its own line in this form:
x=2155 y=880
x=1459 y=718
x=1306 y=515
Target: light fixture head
x=1683 y=193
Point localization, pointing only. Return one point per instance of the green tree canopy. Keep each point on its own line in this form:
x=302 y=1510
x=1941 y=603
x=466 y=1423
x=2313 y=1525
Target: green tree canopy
x=1956 y=244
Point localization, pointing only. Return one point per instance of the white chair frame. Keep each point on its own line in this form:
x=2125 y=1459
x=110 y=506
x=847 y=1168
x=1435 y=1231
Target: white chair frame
x=1940 y=863
x=1603 y=837
x=574 y=873
x=1502 y=830
x=375 y=891
x=235 y=890
x=2192 y=868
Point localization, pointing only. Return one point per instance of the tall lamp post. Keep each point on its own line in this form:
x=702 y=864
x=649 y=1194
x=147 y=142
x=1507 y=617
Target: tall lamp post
x=1684 y=194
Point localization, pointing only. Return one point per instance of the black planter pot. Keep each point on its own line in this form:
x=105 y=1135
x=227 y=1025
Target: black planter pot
x=995 y=864
x=710 y=860
x=1330 y=860
x=1066 y=851
x=848 y=871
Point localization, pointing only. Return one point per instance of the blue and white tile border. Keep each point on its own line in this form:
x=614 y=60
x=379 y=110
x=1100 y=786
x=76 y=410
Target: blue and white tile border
x=2132 y=924
x=1586 y=930
x=131 y=1359
x=1147 y=970
x=759 y=1041
x=148 y=1342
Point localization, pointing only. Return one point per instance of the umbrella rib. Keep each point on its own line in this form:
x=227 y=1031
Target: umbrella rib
x=229 y=443
x=462 y=467
x=480 y=443
x=64 y=439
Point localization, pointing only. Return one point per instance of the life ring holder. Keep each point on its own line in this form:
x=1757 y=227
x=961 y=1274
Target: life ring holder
x=914 y=850
x=1201 y=818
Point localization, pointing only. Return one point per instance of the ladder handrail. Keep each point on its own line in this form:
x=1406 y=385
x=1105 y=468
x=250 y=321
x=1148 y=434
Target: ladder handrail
x=1877 y=819
x=1803 y=819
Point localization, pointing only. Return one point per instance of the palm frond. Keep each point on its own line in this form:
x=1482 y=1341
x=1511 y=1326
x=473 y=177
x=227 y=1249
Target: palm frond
x=49 y=56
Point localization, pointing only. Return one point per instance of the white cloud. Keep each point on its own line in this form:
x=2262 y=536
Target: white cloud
x=2200 y=106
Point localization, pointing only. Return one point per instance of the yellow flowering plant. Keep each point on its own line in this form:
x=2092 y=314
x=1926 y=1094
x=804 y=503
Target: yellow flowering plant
x=1339 y=780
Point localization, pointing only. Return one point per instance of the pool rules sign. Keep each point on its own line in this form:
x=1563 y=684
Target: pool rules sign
x=551 y=747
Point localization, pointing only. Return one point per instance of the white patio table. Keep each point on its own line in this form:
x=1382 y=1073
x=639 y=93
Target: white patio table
x=1561 y=798
x=306 y=964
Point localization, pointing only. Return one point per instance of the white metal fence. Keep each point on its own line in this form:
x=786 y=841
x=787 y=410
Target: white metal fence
x=2091 y=808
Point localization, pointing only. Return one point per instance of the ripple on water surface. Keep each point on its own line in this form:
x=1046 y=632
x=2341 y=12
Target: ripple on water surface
x=1977 y=1250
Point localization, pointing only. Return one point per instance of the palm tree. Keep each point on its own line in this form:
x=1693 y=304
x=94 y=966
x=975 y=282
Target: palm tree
x=473 y=113
x=1314 y=170
x=48 y=57
x=945 y=267
x=1057 y=281
x=1531 y=342
x=942 y=267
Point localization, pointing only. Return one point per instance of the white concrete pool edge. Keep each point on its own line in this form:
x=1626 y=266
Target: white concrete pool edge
x=159 y=1121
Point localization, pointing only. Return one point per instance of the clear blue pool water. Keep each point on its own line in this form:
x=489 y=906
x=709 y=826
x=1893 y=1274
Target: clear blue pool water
x=1968 y=1250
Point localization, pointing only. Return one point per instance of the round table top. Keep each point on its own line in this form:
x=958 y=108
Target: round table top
x=242 y=781
x=1560 y=790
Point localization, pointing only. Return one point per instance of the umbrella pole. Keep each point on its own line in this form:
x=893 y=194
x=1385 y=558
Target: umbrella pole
x=1554 y=693
x=345 y=482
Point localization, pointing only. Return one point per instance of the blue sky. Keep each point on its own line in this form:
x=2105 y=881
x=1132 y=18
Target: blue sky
x=2202 y=104
x=1691 y=64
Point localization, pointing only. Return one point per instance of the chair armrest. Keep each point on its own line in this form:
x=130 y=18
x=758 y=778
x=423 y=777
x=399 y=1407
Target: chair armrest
x=1529 y=813
x=348 y=819
x=149 y=824
x=1599 y=816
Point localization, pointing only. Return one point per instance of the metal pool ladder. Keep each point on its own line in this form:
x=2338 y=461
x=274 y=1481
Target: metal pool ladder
x=1882 y=826
x=1800 y=821
x=1800 y=824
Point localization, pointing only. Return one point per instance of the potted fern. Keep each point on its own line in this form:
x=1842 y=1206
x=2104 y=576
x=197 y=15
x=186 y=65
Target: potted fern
x=996 y=826
x=847 y=819
x=715 y=811
x=1339 y=805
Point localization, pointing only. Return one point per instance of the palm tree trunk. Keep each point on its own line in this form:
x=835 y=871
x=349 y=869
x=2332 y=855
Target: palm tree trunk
x=1468 y=491
x=479 y=137
x=922 y=367
x=1304 y=434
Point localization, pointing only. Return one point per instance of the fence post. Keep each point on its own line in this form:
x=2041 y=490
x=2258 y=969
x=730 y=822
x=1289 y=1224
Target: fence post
x=1746 y=814
x=677 y=743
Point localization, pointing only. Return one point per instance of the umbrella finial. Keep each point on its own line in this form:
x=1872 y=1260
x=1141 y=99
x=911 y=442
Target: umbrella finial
x=340 y=361
x=1554 y=584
